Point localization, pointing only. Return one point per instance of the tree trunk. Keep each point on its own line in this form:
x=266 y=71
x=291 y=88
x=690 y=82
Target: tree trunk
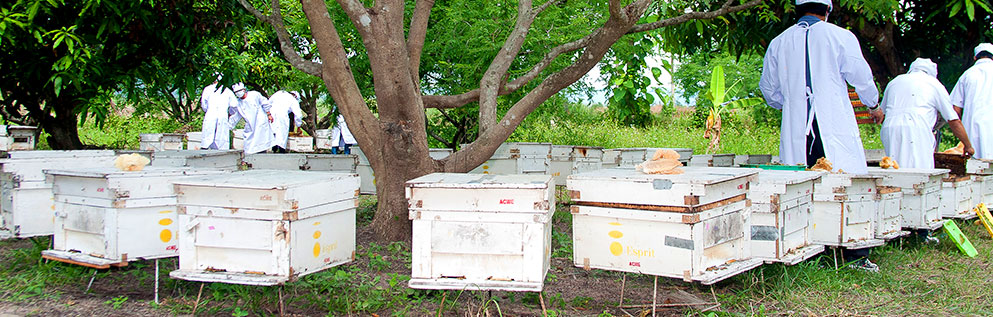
x=403 y=156
x=62 y=130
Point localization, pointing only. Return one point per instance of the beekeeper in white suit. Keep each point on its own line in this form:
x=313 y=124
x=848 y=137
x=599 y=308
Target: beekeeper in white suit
x=340 y=136
x=283 y=103
x=973 y=95
x=216 y=102
x=911 y=104
x=807 y=72
x=254 y=108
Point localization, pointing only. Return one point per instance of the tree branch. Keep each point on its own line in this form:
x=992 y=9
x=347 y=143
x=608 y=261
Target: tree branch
x=493 y=78
x=415 y=38
x=285 y=40
x=456 y=101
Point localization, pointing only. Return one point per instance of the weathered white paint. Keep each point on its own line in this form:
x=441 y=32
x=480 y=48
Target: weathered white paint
x=982 y=189
x=161 y=141
x=305 y=162
x=300 y=144
x=921 y=194
x=265 y=227
x=628 y=186
x=518 y=158
x=782 y=203
x=957 y=198
x=480 y=232
x=889 y=219
x=567 y=160
x=219 y=159
x=193 y=140
x=712 y=160
x=19 y=138
x=845 y=210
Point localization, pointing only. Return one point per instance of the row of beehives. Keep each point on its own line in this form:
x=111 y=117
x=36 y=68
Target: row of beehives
x=259 y=227
x=191 y=141
x=17 y=138
x=493 y=231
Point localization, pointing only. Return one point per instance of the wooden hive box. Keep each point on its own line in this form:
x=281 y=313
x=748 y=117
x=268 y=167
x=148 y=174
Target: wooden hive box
x=480 y=232
x=518 y=158
x=957 y=197
x=21 y=138
x=193 y=140
x=712 y=160
x=982 y=189
x=439 y=154
x=364 y=169
x=921 y=194
x=782 y=202
x=322 y=139
x=629 y=157
x=303 y=162
x=889 y=218
x=611 y=157
x=161 y=141
x=845 y=210
x=215 y=159
x=238 y=139
x=568 y=160
x=265 y=227
x=107 y=217
x=690 y=226
x=27 y=207
x=303 y=144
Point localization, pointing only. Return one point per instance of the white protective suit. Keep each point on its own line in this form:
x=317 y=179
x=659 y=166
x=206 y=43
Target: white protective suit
x=912 y=102
x=974 y=94
x=282 y=104
x=258 y=134
x=215 y=102
x=341 y=132
x=835 y=62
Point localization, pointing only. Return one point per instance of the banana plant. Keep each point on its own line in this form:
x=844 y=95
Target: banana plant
x=717 y=93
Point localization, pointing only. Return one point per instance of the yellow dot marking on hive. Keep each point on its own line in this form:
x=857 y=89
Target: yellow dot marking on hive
x=614 y=223
x=165 y=235
x=165 y=222
x=317 y=223
x=616 y=248
x=165 y=211
x=317 y=234
x=317 y=249
x=615 y=234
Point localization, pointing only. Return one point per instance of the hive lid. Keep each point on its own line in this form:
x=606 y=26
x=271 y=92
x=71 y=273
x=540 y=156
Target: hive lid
x=148 y=171
x=194 y=153
x=265 y=179
x=691 y=175
x=46 y=154
x=787 y=177
x=908 y=171
x=487 y=181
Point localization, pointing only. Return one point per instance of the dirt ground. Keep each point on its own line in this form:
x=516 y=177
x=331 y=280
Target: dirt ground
x=570 y=291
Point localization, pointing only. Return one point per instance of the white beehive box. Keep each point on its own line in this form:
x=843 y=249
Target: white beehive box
x=956 y=197
x=238 y=141
x=712 y=160
x=480 y=232
x=439 y=154
x=161 y=141
x=265 y=227
x=18 y=138
x=517 y=158
x=568 y=160
x=366 y=174
x=27 y=207
x=845 y=210
x=753 y=159
x=107 y=217
x=611 y=158
x=690 y=226
x=303 y=162
x=629 y=157
x=300 y=144
x=921 y=194
x=322 y=139
x=218 y=159
x=889 y=218
x=193 y=140
x=782 y=203
x=982 y=189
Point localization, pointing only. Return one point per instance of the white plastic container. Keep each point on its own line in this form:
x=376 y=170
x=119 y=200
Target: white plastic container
x=518 y=158
x=921 y=194
x=712 y=160
x=27 y=207
x=568 y=160
x=889 y=219
x=782 y=203
x=193 y=140
x=161 y=141
x=106 y=217
x=845 y=210
x=303 y=162
x=957 y=197
x=690 y=226
x=480 y=232
x=300 y=144
x=265 y=227
x=217 y=159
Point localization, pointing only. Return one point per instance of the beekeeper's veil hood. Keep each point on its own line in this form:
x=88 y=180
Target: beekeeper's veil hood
x=824 y=2
x=983 y=47
x=924 y=65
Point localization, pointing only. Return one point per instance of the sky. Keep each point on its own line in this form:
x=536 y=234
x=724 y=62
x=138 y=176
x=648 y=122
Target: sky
x=593 y=78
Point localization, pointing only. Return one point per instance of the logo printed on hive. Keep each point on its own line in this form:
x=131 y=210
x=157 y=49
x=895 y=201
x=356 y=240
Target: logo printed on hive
x=618 y=249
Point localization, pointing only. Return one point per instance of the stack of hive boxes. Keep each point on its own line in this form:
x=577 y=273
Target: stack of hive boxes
x=693 y=226
x=161 y=141
x=568 y=160
x=782 y=203
x=215 y=159
x=889 y=216
x=480 y=232
x=921 y=194
x=303 y=162
x=265 y=227
x=845 y=211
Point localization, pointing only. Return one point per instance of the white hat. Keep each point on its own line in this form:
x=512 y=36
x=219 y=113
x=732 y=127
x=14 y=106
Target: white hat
x=824 y=2
x=238 y=86
x=924 y=65
x=983 y=47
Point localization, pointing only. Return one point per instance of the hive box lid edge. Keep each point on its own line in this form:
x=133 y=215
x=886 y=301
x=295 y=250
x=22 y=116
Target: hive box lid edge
x=148 y=171
x=788 y=177
x=457 y=180
x=691 y=175
x=264 y=179
x=927 y=171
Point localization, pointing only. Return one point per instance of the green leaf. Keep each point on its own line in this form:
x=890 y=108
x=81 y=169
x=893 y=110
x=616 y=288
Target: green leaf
x=657 y=73
x=628 y=84
x=970 y=10
x=699 y=26
x=955 y=9
x=57 y=84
